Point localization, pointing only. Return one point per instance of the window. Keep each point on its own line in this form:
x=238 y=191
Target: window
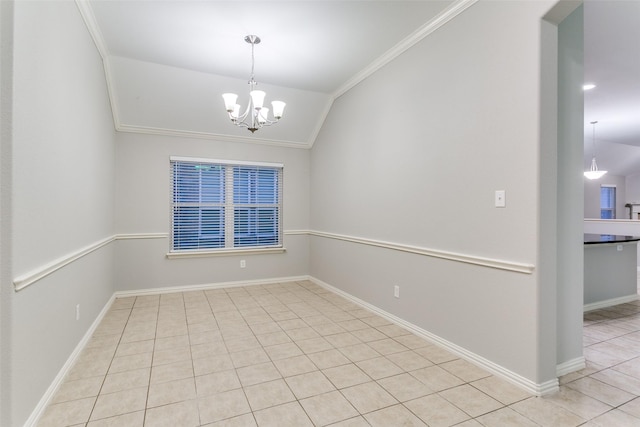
x=219 y=205
x=607 y=202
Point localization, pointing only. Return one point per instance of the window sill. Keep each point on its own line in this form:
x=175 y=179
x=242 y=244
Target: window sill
x=225 y=252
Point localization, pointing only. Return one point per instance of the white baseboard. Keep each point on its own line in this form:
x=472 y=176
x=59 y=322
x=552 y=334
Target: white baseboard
x=610 y=302
x=57 y=381
x=206 y=286
x=571 y=366
x=537 y=389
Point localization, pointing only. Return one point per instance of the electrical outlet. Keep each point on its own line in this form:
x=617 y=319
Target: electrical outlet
x=77 y=311
x=243 y=263
x=396 y=291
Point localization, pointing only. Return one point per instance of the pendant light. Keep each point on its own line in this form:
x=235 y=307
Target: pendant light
x=593 y=172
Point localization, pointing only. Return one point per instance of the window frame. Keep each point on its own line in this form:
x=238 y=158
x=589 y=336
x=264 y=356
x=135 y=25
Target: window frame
x=611 y=209
x=228 y=210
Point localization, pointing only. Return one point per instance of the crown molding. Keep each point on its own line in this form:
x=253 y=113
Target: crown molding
x=149 y=130
x=455 y=9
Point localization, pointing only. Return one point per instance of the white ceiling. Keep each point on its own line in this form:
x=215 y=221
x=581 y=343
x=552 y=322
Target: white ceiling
x=612 y=62
x=312 y=50
x=308 y=45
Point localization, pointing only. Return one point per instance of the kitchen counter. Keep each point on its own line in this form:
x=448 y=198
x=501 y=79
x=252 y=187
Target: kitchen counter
x=610 y=269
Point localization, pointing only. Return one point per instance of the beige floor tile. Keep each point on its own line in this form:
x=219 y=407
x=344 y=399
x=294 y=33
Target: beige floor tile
x=464 y=370
x=132 y=419
x=256 y=374
x=632 y=407
x=295 y=366
x=200 y=351
x=328 y=408
x=616 y=418
x=246 y=420
x=222 y=406
x=546 y=413
x=67 y=413
x=273 y=338
x=314 y=345
x=505 y=417
x=409 y=360
x=171 y=372
x=436 y=354
x=396 y=415
x=208 y=365
x=309 y=384
x=164 y=357
x=283 y=351
x=242 y=343
x=268 y=327
x=346 y=376
x=437 y=378
x=352 y=422
x=300 y=334
x=353 y=325
x=359 y=352
x=136 y=347
x=266 y=395
x=618 y=379
x=436 y=411
x=501 y=390
x=343 y=339
x=404 y=387
x=580 y=404
x=326 y=328
x=249 y=357
x=368 y=334
x=289 y=414
x=328 y=359
x=368 y=397
x=126 y=380
x=184 y=414
x=387 y=346
x=171 y=392
x=471 y=400
x=88 y=369
x=610 y=395
x=121 y=402
x=179 y=341
x=79 y=389
x=379 y=367
x=412 y=341
x=130 y=363
x=217 y=382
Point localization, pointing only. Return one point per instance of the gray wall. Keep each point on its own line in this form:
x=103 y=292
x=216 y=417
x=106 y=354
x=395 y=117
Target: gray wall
x=62 y=193
x=460 y=124
x=570 y=256
x=592 y=195
x=142 y=206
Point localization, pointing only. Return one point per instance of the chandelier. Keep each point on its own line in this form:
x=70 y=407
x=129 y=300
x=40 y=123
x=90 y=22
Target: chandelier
x=256 y=115
x=593 y=172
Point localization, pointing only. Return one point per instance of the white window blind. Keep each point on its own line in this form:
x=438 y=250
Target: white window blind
x=607 y=202
x=225 y=205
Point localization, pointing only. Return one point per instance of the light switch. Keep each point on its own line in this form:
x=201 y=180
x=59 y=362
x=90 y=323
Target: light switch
x=501 y=201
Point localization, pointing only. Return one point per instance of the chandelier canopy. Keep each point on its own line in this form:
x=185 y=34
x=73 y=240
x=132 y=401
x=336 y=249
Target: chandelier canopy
x=255 y=115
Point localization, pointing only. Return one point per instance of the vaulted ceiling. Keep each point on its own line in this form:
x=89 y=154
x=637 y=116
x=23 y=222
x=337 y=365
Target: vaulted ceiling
x=168 y=63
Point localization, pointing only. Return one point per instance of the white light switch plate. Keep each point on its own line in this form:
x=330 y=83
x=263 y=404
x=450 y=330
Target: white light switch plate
x=501 y=200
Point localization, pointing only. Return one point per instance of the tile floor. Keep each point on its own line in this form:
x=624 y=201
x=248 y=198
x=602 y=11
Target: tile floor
x=295 y=354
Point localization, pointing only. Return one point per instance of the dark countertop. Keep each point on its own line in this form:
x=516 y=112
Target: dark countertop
x=594 y=239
